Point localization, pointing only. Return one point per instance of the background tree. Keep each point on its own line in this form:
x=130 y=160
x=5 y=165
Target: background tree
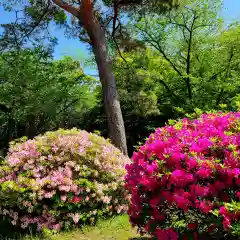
x=38 y=94
x=164 y=65
x=162 y=75
x=191 y=42
x=92 y=17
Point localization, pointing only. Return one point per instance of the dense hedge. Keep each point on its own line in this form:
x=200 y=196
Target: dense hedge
x=62 y=179
x=185 y=180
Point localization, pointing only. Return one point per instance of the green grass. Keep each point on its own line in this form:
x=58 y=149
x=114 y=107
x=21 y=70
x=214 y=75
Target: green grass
x=116 y=228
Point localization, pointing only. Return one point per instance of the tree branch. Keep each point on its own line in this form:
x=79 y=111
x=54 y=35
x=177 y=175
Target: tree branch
x=159 y=48
x=35 y=25
x=225 y=69
x=115 y=17
x=219 y=97
x=170 y=91
x=178 y=24
x=189 y=55
x=202 y=25
x=67 y=7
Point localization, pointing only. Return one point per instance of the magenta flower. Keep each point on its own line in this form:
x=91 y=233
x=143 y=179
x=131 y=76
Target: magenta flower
x=180 y=177
x=204 y=173
x=205 y=206
x=200 y=191
x=196 y=168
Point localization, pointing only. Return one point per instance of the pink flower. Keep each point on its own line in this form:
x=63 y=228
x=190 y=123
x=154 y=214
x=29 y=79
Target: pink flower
x=167 y=196
x=197 y=166
x=76 y=218
x=14 y=222
x=106 y=199
x=176 y=158
x=68 y=172
x=154 y=202
x=49 y=194
x=226 y=223
x=166 y=234
x=191 y=163
x=57 y=226
x=181 y=178
x=64 y=198
x=74 y=188
x=76 y=199
x=81 y=150
x=204 y=173
x=158 y=216
x=223 y=211
x=161 y=234
x=204 y=143
x=192 y=226
x=55 y=148
x=200 y=191
x=181 y=201
x=205 y=206
x=64 y=188
x=195 y=148
x=238 y=195
x=151 y=168
x=172 y=234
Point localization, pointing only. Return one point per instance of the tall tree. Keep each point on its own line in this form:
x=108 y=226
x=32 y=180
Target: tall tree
x=92 y=17
x=181 y=38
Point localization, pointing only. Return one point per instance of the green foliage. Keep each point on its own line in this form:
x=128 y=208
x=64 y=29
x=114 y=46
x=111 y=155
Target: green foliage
x=171 y=65
x=41 y=94
x=190 y=61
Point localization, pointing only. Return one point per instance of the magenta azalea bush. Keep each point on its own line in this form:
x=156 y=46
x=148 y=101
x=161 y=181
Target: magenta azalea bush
x=185 y=180
x=62 y=179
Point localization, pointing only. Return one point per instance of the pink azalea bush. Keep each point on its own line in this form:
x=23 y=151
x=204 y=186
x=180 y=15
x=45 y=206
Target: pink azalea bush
x=185 y=180
x=62 y=179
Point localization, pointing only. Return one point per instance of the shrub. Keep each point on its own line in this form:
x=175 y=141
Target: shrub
x=62 y=179
x=185 y=180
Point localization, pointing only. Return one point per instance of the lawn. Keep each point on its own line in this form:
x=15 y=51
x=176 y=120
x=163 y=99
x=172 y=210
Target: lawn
x=116 y=228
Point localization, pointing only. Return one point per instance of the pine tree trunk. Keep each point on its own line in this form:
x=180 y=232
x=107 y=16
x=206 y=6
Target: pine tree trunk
x=111 y=102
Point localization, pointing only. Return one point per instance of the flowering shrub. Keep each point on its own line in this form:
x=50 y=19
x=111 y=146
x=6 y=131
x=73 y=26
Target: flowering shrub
x=62 y=179
x=185 y=180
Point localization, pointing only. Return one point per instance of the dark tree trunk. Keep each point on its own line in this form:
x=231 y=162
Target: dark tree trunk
x=111 y=102
x=96 y=34
x=31 y=126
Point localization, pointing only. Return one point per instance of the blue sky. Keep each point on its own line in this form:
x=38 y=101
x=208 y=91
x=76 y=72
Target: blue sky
x=231 y=9
x=72 y=47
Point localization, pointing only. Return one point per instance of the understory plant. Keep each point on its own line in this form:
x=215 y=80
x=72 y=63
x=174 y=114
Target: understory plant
x=62 y=179
x=185 y=180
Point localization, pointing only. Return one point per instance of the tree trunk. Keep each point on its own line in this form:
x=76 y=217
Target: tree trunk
x=111 y=102
x=31 y=126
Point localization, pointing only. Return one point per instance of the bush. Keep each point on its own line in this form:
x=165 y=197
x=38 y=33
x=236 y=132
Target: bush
x=185 y=180
x=62 y=179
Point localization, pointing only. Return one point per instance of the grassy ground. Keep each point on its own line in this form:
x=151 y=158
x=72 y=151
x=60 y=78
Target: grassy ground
x=116 y=228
